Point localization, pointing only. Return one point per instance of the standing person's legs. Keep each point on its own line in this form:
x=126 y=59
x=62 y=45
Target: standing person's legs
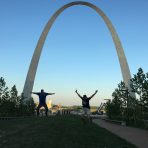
x=38 y=108
x=86 y=114
x=83 y=117
x=86 y=111
x=46 y=109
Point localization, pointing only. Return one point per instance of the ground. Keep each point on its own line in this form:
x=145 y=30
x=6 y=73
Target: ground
x=56 y=132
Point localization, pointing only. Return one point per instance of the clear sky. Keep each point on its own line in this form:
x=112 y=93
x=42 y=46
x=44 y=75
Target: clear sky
x=79 y=52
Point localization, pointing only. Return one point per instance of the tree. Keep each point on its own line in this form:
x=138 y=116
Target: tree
x=139 y=85
x=4 y=93
x=114 y=107
x=122 y=104
x=14 y=94
x=132 y=109
x=4 y=96
x=13 y=105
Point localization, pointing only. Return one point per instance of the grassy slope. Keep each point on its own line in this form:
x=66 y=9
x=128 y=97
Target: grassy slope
x=56 y=132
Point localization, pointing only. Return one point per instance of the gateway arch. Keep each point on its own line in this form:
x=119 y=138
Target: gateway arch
x=36 y=56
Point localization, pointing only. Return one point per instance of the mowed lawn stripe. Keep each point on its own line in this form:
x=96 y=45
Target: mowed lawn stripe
x=57 y=132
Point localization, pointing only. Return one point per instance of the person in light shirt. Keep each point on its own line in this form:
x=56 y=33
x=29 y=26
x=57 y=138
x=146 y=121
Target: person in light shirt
x=85 y=102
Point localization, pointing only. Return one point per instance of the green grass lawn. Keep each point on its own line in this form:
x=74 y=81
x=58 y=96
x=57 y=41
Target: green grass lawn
x=56 y=132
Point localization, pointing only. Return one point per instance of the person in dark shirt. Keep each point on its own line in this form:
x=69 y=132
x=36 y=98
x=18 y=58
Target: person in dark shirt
x=85 y=102
x=42 y=100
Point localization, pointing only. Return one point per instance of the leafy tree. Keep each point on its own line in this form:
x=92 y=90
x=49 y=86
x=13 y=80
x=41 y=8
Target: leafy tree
x=123 y=104
x=4 y=96
x=132 y=109
x=14 y=94
x=109 y=107
x=4 y=93
x=13 y=105
x=139 y=86
x=114 y=108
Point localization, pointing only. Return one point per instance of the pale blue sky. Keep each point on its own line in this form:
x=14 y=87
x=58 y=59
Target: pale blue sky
x=79 y=51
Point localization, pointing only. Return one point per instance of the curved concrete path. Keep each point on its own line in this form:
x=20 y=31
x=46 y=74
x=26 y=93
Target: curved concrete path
x=135 y=136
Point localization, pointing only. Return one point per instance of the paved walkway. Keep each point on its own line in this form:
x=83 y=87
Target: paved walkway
x=135 y=136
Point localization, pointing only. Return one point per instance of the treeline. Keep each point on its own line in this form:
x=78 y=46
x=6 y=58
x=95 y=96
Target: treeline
x=125 y=106
x=13 y=105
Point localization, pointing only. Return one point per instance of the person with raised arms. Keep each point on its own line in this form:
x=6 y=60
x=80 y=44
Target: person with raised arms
x=85 y=102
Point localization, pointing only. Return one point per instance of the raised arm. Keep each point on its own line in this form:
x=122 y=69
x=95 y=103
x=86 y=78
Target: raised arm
x=93 y=94
x=50 y=93
x=78 y=94
x=36 y=93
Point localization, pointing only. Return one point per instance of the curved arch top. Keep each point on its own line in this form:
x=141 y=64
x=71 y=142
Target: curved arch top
x=36 y=56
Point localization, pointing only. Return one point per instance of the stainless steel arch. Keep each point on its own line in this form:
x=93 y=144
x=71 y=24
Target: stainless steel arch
x=36 y=56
